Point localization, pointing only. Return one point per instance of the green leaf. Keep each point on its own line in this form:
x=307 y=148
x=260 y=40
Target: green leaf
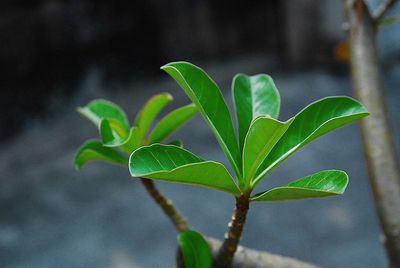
x=171 y=122
x=253 y=96
x=195 y=250
x=263 y=134
x=150 y=111
x=204 y=92
x=177 y=143
x=94 y=150
x=133 y=141
x=315 y=120
x=174 y=164
x=388 y=21
x=112 y=133
x=96 y=110
x=322 y=184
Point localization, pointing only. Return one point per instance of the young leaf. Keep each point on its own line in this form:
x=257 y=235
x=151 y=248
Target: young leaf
x=263 y=134
x=133 y=141
x=315 y=120
x=94 y=150
x=112 y=133
x=96 y=110
x=253 y=96
x=195 y=250
x=322 y=184
x=172 y=122
x=204 y=92
x=150 y=111
x=174 y=164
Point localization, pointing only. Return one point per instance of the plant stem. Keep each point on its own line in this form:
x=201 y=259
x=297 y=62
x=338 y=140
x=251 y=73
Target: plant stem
x=166 y=205
x=232 y=238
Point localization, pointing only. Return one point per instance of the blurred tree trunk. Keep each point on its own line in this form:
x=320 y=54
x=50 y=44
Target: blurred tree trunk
x=382 y=161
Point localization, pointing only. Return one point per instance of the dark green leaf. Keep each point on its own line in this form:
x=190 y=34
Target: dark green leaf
x=322 y=184
x=204 y=92
x=176 y=143
x=171 y=122
x=263 y=134
x=174 y=164
x=96 y=110
x=253 y=96
x=195 y=250
x=150 y=111
x=312 y=122
x=94 y=150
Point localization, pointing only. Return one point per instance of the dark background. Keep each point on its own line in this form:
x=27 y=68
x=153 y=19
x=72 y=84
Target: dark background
x=56 y=55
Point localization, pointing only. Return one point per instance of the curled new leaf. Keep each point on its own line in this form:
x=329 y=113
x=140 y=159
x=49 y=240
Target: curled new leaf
x=174 y=164
x=253 y=96
x=322 y=184
x=94 y=150
x=195 y=250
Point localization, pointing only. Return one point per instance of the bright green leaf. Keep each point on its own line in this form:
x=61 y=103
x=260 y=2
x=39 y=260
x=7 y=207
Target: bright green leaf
x=112 y=133
x=253 y=96
x=94 y=150
x=150 y=111
x=171 y=122
x=204 y=92
x=174 y=164
x=263 y=134
x=96 y=110
x=322 y=184
x=315 y=120
x=133 y=141
x=195 y=250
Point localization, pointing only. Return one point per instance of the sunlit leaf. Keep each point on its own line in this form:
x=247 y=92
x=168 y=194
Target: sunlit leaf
x=97 y=110
x=171 y=122
x=253 y=96
x=195 y=250
x=263 y=134
x=174 y=164
x=150 y=111
x=94 y=150
x=204 y=92
x=322 y=184
x=312 y=122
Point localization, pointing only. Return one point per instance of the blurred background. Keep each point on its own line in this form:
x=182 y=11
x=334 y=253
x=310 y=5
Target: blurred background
x=57 y=55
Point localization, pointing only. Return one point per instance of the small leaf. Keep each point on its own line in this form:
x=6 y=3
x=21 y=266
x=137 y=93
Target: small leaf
x=263 y=134
x=174 y=164
x=96 y=110
x=133 y=141
x=322 y=184
x=204 y=92
x=112 y=133
x=254 y=96
x=150 y=111
x=171 y=122
x=94 y=150
x=195 y=250
x=388 y=21
x=315 y=120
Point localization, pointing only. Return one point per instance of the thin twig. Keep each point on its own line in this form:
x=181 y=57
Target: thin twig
x=380 y=11
x=166 y=205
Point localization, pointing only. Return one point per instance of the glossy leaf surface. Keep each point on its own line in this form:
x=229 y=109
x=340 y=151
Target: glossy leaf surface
x=94 y=150
x=204 y=92
x=171 y=122
x=195 y=250
x=263 y=134
x=253 y=96
x=174 y=164
x=96 y=110
x=150 y=111
x=312 y=122
x=322 y=184
x=112 y=133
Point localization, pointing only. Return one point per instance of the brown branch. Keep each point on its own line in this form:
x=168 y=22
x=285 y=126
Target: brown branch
x=166 y=205
x=379 y=149
x=380 y=11
x=232 y=237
